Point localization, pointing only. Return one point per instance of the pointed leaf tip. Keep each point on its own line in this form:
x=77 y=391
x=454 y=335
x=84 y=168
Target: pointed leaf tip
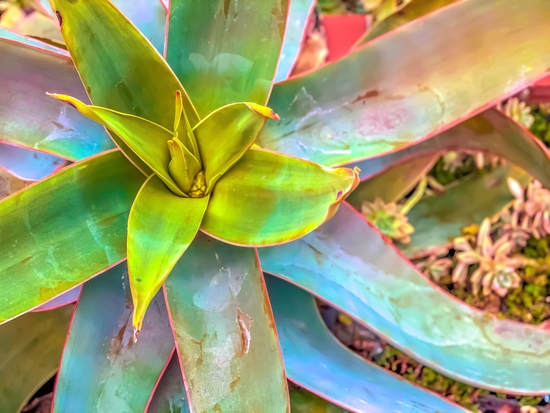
x=263 y=110
x=249 y=210
x=161 y=226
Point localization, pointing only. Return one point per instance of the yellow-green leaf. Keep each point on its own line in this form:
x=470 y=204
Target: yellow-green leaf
x=268 y=198
x=144 y=138
x=119 y=67
x=160 y=228
x=226 y=134
x=183 y=166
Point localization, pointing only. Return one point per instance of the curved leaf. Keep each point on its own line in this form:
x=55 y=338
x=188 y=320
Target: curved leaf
x=31 y=349
x=63 y=230
x=395 y=183
x=150 y=18
x=160 y=228
x=140 y=137
x=236 y=57
x=268 y=198
x=39 y=26
x=148 y=15
x=226 y=134
x=413 y=83
x=30 y=118
x=32 y=42
x=102 y=368
x=224 y=329
x=348 y=263
x=312 y=354
x=299 y=13
x=169 y=396
x=10 y=184
x=491 y=131
x=413 y=10
x=120 y=69
x=28 y=164
x=438 y=220
x=64 y=299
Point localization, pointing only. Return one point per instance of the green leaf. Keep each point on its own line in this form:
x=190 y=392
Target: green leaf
x=31 y=347
x=385 y=9
x=339 y=114
x=268 y=198
x=160 y=228
x=27 y=73
x=491 y=132
x=302 y=401
x=413 y=10
x=437 y=220
x=226 y=134
x=148 y=16
x=119 y=67
x=394 y=183
x=347 y=263
x=236 y=57
x=142 y=138
x=183 y=167
x=225 y=331
x=299 y=15
x=316 y=360
x=63 y=230
x=169 y=396
x=103 y=369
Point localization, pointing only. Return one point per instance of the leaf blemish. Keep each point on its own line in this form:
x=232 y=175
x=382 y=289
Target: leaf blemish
x=368 y=95
x=59 y=18
x=245 y=322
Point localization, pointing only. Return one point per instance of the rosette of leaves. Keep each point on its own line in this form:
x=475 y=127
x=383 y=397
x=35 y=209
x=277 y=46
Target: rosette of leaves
x=207 y=176
x=374 y=107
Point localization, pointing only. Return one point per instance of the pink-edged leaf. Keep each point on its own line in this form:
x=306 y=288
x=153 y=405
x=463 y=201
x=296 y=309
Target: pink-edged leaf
x=102 y=366
x=315 y=360
x=299 y=16
x=28 y=117
x=350 y=265
x=28 y=164
x=31 y=347
x=224 y=329
x=413 y=83
x=63 y=230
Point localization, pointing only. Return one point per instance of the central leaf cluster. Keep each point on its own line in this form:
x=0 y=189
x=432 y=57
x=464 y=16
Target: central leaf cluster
x=185 y=167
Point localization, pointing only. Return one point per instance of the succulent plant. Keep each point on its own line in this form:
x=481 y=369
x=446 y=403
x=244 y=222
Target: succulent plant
x=175 y=103
x=495 y=269
x=518 y=111
x=436 y=267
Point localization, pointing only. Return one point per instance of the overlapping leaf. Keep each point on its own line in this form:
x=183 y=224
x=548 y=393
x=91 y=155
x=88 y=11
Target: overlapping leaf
x=413 y=83
x=31 y=119
x=349 y=264
x=102 y=368
x=31 y=349
x=236 y=57
x=264 y=187
x=54 y=246
x=225 y=331
x=312 y=355
x=27 y=164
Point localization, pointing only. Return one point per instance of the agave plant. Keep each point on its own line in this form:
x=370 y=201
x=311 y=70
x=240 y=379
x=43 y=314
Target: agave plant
x=192 y=127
